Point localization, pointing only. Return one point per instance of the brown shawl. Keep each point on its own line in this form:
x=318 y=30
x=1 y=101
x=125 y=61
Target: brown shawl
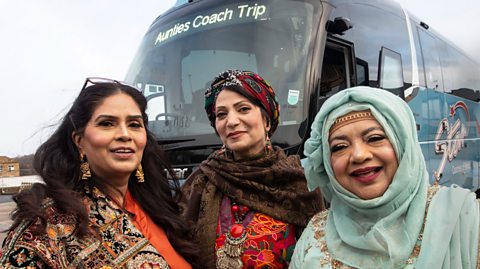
x=273 y=184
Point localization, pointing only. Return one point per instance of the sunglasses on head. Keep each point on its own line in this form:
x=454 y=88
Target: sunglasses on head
x=97 y=80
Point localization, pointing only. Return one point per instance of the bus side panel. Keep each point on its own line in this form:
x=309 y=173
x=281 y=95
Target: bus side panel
x=464 y=144
x=420 y=107
x=448 y=129
x=449 y=145
x=452 y=142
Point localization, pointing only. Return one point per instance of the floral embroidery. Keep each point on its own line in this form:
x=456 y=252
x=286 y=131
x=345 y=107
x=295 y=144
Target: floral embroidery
x=319 y=222
x=115 y=242
x=269 y=243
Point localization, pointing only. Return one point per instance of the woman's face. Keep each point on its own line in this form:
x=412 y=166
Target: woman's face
x=114 y=138
x=240 y=124
x=362 y=158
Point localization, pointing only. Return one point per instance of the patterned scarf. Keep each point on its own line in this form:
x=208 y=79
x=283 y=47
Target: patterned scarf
x=273 y=184
x=248 y=84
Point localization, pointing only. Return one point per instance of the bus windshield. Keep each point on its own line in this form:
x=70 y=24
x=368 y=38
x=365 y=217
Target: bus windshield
x=185 y=49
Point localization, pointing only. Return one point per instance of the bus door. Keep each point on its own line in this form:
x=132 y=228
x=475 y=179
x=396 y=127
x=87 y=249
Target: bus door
x=337 y=68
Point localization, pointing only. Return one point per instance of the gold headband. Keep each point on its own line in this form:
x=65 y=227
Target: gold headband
x=351 y=118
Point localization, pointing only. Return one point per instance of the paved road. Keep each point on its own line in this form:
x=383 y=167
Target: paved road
x=5 y=221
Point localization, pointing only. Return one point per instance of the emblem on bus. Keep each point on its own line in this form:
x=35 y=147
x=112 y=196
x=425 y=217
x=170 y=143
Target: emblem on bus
x=453 y=141
x=180 y=173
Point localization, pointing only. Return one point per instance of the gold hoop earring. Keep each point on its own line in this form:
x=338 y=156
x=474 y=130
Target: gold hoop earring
x=139 y=174
x=84 y=168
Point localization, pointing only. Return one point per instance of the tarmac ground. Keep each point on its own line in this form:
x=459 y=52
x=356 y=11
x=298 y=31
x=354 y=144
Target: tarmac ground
x=5 y=221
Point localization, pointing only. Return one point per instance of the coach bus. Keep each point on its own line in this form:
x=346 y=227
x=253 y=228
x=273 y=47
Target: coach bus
x=309 y=50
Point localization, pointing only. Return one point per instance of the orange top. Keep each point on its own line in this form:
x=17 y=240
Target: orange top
x=154 y=234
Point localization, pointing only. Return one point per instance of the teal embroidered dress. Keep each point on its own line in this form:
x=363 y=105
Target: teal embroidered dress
x=411 y=225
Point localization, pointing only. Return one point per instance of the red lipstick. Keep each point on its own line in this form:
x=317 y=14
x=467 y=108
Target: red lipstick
x=366 y=174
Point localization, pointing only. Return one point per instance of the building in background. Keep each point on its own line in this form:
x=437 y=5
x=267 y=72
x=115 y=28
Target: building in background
x=9 y=167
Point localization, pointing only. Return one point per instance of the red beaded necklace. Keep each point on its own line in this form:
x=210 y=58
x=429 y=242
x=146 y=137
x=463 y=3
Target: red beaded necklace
x=229 y=255
x=237 y=229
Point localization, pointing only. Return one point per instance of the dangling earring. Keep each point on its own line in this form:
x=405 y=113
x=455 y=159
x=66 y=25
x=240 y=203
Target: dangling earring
x=225 y=151
x=85 y=168
x=139 y=174
x=268 y=145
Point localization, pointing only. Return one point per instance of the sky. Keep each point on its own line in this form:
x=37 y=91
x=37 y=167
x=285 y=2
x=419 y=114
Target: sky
x=49 y=47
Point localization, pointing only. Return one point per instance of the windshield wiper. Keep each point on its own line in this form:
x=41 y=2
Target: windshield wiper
x=169 y=147
x=172 y=141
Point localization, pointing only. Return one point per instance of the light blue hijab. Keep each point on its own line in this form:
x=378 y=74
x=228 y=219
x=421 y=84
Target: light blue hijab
x=382 y=232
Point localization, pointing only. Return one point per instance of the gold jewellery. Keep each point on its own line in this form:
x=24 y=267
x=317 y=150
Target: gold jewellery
x=139 y=174
x=84 y=168
x=85 y=172
x=229 y=256
x=351 y=118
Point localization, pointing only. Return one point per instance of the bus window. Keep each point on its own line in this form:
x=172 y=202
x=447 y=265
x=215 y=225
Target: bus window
x=431 y=60
x=390 y=71
x=376 y=26
x=462 y=74
x=361 y=72
x=334 y=71
x=336 y=67
x=182 y=53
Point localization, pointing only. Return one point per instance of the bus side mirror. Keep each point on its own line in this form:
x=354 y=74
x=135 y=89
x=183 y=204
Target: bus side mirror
x=338 y=26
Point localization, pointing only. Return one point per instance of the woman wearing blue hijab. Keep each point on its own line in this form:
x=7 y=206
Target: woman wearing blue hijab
x=364 y=155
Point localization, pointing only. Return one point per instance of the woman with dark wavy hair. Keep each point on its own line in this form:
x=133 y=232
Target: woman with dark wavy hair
x=106 y=201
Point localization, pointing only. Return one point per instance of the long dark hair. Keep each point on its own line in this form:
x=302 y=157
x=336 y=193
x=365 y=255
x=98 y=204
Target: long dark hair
x=57 y=161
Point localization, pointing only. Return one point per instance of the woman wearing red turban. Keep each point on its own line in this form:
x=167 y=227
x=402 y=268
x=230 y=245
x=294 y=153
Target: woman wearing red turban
x=248 y=201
